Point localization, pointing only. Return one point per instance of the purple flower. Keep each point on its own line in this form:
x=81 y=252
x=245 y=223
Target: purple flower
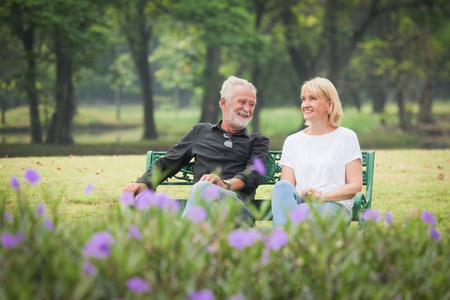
x=201 y=295
x=236 y=297
x=240 y=238
x=7 y=217
x=145 y=199
x=89 y=188
x=15 y=184
x=253 y=235
x=134 y=232
x=11 y=241
x=40 y=210
x=148 y=198
x=259 y=166
x=299 y=214
x=388 y=219
x=197 y=214
x=49 y=224
x=138 y=285
x=31 y=176
x=212 y=193
x=98 y=245
x=372 y=215
x=126 y=198
x=434 y=233
x=428 y=217
x=89 y=268
x=277 y=239
x=167 y=203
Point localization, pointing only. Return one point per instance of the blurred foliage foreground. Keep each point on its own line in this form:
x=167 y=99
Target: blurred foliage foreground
x=144 y=249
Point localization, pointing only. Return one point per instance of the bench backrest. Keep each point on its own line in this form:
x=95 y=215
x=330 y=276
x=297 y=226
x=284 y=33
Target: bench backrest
x=273 y=170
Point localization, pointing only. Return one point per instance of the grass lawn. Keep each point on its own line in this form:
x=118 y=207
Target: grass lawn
x=405 y=182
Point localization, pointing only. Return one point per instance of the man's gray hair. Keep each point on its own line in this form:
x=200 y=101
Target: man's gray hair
x=227 y=87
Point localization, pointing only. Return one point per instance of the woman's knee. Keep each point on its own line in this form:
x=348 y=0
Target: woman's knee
x=283 y=184
x=281 y=188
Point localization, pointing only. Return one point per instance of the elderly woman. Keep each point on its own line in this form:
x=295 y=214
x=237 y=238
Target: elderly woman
x=322 y=162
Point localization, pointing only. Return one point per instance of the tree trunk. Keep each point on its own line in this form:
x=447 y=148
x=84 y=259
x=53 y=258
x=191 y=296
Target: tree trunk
x=331 y=32
x=403 y=115
x=4 y=108
x=118 y=100
x=296 y=53
x=426 y=92
x=212 y=84
x=255 y=80
x=379 y=98
x=61 y=131
x=138 y=40
x=143 y=67
x=30 y=86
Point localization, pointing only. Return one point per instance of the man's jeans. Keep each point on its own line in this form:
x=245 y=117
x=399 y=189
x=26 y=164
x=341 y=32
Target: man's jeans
x=285 y=199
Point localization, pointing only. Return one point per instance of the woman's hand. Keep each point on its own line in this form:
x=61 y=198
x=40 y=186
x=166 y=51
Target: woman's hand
x=312 y=195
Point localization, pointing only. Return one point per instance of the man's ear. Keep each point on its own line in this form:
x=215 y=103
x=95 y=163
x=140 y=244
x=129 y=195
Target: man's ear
x=222 y=102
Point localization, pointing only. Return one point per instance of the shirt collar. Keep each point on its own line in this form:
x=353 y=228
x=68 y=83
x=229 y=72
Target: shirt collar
x=243 y=132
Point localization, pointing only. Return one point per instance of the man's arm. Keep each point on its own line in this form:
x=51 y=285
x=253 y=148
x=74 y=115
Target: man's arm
x=250 y=178
x=235 y=183
x=167 y=166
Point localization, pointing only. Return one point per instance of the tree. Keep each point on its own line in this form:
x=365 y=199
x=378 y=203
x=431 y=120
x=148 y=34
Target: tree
x=22 y=17
x=76 y=38
x=122 y=78
x=224 y=27
x=178 y=60
x=433 y=42
x=12 y=61
x=136 y=20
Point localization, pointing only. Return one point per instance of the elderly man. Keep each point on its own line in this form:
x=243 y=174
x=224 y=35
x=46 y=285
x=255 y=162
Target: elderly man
x=224 y=152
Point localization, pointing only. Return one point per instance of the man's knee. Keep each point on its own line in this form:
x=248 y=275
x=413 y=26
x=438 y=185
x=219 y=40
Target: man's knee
x=200 y=186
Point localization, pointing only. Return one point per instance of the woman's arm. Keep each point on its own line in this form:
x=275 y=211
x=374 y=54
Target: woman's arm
x=353 y=176
x=288 y=174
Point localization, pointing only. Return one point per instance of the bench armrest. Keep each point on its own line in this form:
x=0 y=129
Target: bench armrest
x=359 y=207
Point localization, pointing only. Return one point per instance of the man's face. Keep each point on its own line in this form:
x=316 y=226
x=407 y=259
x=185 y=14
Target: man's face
x=239 y=112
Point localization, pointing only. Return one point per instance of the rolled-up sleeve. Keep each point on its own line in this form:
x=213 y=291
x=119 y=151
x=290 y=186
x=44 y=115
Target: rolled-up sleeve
x=260 y=149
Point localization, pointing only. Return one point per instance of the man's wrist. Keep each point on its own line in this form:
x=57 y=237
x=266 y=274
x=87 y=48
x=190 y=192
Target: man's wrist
x=228 y=184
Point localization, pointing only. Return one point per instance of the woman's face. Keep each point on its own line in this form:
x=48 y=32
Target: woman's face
x=315 y=106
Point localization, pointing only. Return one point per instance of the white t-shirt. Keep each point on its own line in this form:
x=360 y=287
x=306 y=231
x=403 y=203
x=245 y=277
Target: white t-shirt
x=319 y=161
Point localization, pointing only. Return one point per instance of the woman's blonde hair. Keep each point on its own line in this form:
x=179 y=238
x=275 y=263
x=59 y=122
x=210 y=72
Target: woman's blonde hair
x=324 y=87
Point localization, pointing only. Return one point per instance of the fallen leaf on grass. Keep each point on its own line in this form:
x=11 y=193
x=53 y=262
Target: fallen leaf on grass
x=99 y=171
x=440 y=176
x=58 y=169
x=439 y=167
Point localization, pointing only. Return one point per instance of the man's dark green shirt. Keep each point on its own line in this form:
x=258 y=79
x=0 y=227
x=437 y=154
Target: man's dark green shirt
x=205 y=143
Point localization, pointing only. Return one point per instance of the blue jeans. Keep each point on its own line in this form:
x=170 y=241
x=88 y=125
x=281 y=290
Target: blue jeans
x=196 y=198
x=285 y=198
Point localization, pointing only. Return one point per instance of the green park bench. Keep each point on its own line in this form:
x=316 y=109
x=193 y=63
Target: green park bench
x=363 y=199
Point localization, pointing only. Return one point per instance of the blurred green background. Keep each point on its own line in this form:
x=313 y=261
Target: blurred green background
x=122 y=77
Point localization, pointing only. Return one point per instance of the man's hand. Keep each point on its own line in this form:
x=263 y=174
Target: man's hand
x=214 y=179
x=134 y=188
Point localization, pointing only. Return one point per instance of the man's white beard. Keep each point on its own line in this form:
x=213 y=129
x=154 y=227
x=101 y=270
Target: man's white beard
x=238 y=123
